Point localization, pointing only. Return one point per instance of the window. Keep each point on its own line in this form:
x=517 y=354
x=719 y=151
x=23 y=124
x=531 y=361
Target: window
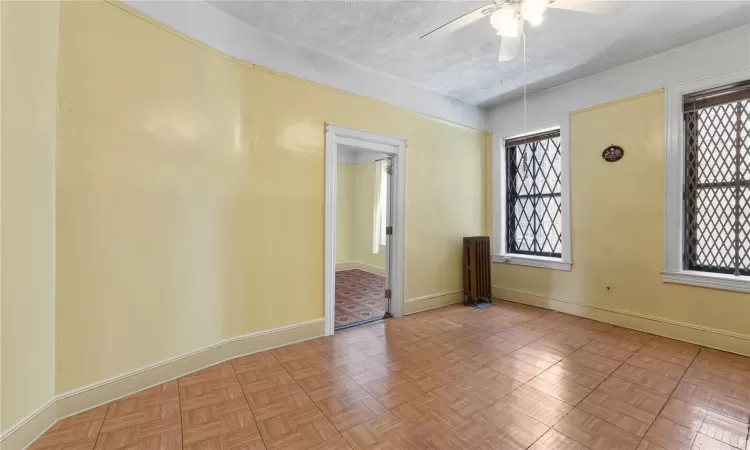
x=383 y=199
x=531 y=198
x=534 y=212
x=707 y=232
x=716 y=189
x=380 y=215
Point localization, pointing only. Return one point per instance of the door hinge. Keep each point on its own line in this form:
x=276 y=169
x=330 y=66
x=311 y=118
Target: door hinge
x=389 y=169
x=389 y=230
x=388 y=294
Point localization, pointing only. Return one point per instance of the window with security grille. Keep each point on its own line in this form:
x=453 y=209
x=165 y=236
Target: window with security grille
x=534 y=213
x=716 y=191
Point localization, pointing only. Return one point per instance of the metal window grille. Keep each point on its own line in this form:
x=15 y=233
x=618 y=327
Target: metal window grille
x=533 y=195
x=716 y=192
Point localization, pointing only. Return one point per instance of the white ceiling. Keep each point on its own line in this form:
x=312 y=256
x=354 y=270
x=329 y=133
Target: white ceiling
x=383 y=35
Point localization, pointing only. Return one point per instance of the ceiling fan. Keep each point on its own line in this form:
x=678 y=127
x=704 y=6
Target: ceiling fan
x=507 y=18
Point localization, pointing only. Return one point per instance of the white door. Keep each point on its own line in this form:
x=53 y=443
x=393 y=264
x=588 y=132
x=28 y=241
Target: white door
x=389 y=234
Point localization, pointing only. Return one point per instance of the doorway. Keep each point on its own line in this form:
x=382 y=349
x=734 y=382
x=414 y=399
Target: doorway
x=365 y=175
x=362 y=287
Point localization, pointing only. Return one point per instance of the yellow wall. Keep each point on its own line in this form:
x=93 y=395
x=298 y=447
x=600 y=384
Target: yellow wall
x=190 y=194
x=345 y=208
x=365 y=217
x=617 y=217
x=27 y=141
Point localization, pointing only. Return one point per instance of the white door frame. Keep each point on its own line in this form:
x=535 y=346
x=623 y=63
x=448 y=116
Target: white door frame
x=365 y=141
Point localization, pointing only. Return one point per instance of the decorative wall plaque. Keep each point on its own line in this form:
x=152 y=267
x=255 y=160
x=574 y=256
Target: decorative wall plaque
x=613 y=153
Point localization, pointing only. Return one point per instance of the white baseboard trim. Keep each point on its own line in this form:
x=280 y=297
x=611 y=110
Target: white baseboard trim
x=696 y=334
x=432 y=301
x=29 y=428
x=77 y=400
x=350 y=265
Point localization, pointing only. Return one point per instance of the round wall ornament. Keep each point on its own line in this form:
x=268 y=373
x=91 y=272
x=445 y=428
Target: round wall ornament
x=613 y=153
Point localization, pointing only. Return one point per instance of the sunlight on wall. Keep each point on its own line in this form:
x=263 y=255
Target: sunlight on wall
x=170 y=239
x=617 y=225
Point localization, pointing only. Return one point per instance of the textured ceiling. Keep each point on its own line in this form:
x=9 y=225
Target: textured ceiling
x=383 y=35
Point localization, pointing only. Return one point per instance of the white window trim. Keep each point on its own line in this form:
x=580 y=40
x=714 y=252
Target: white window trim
x=382 y=191
x=500 y=254
x=674 y=179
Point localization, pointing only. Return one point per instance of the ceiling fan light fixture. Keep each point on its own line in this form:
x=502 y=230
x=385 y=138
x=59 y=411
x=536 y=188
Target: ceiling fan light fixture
x=505 y=22
x=534 y=20
x=533 y=11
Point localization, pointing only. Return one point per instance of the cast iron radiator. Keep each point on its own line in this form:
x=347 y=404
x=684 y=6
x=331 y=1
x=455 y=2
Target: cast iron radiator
x=477 y=285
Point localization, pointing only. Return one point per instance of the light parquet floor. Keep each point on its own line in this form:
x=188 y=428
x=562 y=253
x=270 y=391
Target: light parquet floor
x=509 y=377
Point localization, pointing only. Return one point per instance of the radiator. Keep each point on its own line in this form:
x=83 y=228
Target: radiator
x=477 y=285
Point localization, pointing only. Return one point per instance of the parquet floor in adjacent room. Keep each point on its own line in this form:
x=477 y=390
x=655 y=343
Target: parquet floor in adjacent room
x=507 y=377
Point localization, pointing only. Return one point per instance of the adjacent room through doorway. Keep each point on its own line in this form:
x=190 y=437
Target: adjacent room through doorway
x=362 y=237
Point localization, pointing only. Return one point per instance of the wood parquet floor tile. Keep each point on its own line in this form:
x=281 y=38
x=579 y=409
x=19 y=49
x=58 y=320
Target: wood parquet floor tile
x=633 y=394
x=537 y=404
x=325 y=385
x=336 y=443
x=595 y=433
x=519 y=430
x=76 y=432
x=384 y=432
x=298 y=429
x=254 y=362
x=365 y=371
x=669 y=435
x=554 y=440
x=470 y=435
x=509 y=377
x=392 y=391
x=494 y=385
x=278 y=400
x=138 y=435
x=427 y=415
x=617 y=412
x=463 y=398
x=350 y=408
x=561 y=388
x=252 y=381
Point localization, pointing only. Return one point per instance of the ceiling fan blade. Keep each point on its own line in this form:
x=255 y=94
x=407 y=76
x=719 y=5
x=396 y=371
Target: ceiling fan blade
x=588 y=6
x=461 y=22
x=509 y=48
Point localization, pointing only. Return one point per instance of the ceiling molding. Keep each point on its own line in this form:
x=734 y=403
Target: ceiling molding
x=233 y=37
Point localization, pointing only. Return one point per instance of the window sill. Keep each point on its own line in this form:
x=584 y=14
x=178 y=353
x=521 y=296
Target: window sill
x=533 y=261
x=708 y=280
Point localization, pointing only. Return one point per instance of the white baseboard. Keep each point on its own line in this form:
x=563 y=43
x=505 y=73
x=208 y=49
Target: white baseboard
x=72 y=402
x=696 y=334
x=350 y=265
x=28 y=429
x=432 y=301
